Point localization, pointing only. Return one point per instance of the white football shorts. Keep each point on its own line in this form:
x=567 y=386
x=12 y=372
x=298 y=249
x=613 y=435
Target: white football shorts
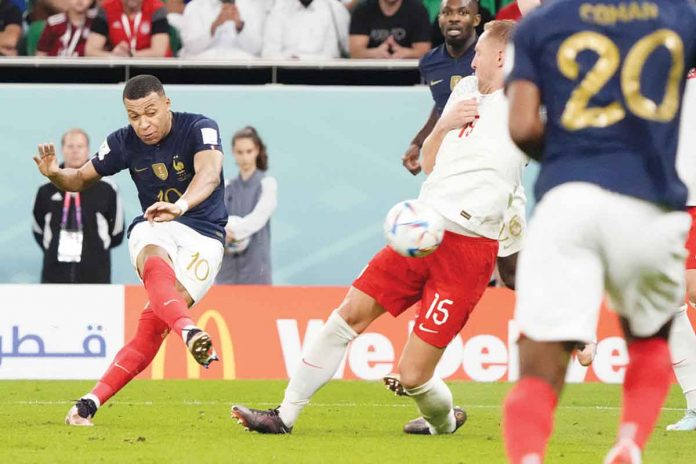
x=197 y=258
x=584 y=240
x=514 y=225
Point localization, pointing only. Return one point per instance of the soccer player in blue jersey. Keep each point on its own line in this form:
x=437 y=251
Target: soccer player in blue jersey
x=176 y=246
x=611 y=214
x=444 y=66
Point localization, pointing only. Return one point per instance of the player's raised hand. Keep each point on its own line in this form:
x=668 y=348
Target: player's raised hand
x=162 y=212
x=46 y=160
x=410 y=159
x=460 y=115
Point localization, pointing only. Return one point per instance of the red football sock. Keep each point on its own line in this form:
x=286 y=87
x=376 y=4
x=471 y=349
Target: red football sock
x=134 y=357
x=167 y=303
x=645 y=387
x=528 y=420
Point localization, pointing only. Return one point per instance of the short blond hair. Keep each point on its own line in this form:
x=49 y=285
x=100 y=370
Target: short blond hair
x=500 y=29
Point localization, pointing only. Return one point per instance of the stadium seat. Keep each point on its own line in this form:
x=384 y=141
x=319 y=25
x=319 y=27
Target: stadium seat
x=174 y=40
x=32 y=37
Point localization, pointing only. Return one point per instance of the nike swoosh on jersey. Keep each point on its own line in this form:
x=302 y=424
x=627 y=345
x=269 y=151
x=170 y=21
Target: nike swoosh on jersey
x=140 y=170
x=435 y=82
x=420 y=327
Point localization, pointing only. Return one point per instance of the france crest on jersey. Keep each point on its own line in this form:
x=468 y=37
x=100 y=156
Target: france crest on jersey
x=611 y=75
x=441 y=73
x=164 y=171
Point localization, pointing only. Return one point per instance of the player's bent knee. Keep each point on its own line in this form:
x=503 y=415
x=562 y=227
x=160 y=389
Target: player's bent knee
x=411 y=380
x=151 y=251
x=359 y=310
x=353 y=317
x=412 y=376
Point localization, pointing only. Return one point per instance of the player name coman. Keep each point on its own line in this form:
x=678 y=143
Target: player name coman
x=609 y=14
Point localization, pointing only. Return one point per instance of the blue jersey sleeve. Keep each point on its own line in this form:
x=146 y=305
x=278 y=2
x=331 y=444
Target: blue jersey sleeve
x=205 y=135
x=522 y=55
x=110 y=158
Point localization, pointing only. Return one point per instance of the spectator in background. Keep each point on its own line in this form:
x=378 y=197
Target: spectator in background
x=66 y=33
x=125 y=28
x=40 y=10
x=21 y=4
x=76 y=231
x=389 y=29
x=10 y=28
x=250 y=200
x=306 y=29
x=222 y=29
x=350 y=4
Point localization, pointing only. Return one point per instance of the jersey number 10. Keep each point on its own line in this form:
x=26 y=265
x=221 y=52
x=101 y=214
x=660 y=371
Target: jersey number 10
x=578 y=116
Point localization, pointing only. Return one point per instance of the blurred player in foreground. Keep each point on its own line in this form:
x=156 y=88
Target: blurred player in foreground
x=682 y=341
x=610 y=215
x=176 y=246
x=473 y=169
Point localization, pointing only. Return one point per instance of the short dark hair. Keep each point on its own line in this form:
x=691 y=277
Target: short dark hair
x=141 y=86
x=250 y=132
x=474 y=2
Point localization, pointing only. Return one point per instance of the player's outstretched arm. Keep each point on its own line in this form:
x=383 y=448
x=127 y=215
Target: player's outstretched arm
x=526 y=127
x=66 y=179
x=459 y=116
x=208 y=167
x=410 y=158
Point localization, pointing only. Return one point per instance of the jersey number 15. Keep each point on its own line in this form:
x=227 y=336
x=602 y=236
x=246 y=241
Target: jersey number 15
x=577 y=115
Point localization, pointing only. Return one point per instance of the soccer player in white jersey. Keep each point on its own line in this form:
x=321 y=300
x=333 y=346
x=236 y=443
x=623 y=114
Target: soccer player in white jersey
x=682 y=342
x=474 y=169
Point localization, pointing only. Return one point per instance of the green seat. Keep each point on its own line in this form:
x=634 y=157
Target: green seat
x=174 y=40
x=33 y=35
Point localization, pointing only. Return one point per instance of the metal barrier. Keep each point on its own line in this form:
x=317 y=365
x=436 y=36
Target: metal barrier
x=179 y=71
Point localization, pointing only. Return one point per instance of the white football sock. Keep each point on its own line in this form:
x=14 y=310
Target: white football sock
x=318 y=365
x=682 y=344
x=434 y=401
x=185 y=331
x=90 y=396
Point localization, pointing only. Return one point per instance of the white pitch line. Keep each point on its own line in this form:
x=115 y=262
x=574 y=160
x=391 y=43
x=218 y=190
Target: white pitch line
x=317 y=405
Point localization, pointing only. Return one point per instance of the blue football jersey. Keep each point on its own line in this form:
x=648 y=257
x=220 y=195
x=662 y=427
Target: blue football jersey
x=611 y=75
x=164 y=171
x=441 y=72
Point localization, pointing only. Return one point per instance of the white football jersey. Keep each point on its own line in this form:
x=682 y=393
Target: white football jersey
x=686 y=149
x=477 y=168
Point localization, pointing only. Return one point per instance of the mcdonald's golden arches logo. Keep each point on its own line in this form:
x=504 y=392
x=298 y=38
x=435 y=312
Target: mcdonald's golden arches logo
x=223 y=345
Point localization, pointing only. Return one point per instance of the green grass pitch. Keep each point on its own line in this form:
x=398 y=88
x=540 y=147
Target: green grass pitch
x=348 y=422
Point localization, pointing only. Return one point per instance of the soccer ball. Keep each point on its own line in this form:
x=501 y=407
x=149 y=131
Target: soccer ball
x=413 y=229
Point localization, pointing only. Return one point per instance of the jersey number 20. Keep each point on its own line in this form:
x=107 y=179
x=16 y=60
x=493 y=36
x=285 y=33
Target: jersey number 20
x=577 y=115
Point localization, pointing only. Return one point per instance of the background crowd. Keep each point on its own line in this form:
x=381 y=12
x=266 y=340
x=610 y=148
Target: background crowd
x=228 y=29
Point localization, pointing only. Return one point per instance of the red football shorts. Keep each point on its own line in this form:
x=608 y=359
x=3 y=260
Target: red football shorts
x=448 y=283
x=691 y=240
